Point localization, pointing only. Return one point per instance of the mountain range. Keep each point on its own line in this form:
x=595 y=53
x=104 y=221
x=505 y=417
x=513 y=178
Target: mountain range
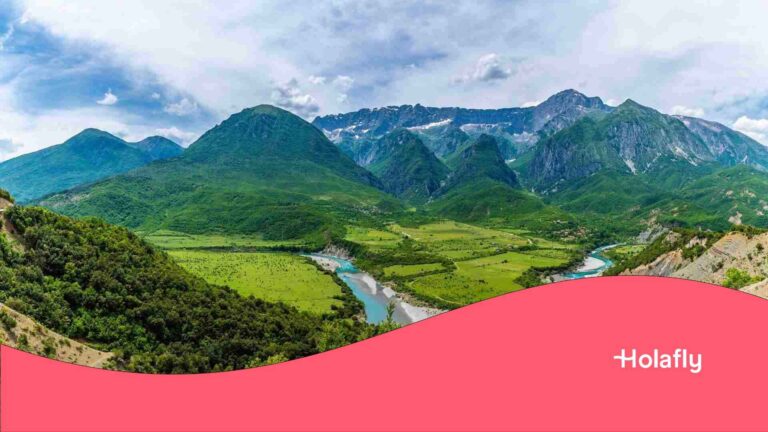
x=444 y=129
x=572 y=157
x=87 y=157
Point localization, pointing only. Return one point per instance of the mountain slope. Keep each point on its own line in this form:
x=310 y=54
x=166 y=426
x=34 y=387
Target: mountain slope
x=104 y=286
x=633 y=140
x=639 y=165
x=263 y=170
x=483 y=189
x=445 y=141
x=406 y=167
x=728 y=146
x=87 y=157
x=158 y=147
x=481 y=159
x=24 y=333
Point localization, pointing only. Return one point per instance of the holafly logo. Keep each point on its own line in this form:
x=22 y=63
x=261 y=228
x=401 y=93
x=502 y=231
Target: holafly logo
x=679 y=359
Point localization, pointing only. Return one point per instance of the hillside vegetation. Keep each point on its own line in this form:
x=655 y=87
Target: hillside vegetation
x=89 y=156
x=101 y=284
x=263 y=171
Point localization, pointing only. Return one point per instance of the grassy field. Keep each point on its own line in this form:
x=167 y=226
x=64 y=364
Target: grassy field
x=411 y=270
x=486 y=262
x=166 y=239
x=460 y=263
x=270 y=276
x=373 y=238
x=457 y=241
x=482 y=278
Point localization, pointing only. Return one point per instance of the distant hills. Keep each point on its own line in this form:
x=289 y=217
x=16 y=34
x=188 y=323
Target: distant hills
x=263 y=170
x=87 y=157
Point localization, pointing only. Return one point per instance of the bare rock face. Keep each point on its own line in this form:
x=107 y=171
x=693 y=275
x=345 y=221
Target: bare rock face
x=759 y=289
x=651 y=233
x=26 y=334
x=337 y=251
x=734 y=250
x=445 y=129
x=664 y=265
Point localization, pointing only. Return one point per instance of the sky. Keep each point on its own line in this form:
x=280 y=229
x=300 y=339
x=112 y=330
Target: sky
x=178 y=67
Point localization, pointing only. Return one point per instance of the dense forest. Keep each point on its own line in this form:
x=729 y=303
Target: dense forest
x=103 y=285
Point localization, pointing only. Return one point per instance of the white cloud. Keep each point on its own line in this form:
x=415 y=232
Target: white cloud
x=531 y=104
x=488 y=68
x=757 y=129
x=108 y=99
x=184 y=107
x=175 y=134
x=289 y=96
x=657 y=52
x=686 y=111
x=316 y=80
x=343 y=83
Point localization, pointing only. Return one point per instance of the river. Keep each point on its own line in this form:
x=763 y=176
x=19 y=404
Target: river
x=375 y=297
x=594 y=265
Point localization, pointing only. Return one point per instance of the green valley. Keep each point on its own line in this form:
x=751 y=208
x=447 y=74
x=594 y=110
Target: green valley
x=452 y=264
x=301 y=232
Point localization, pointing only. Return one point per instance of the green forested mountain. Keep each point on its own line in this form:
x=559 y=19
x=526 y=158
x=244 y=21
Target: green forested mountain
x=480 y=159
x=482 y=187
x=158 y=147
x=263 y=170
x=642 y=165
x=632 y=139
x=87 y=157
x=406 y=167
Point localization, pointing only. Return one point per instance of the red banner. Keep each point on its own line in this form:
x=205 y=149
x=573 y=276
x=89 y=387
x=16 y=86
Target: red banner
x=600 y=354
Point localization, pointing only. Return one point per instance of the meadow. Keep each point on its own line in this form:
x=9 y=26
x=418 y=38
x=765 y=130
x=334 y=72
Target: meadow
x=448 y=264
x=470 y=263
x=272 y=276
x=372 y=238
x=410 y=270
x=166 y=239
x=482 y=278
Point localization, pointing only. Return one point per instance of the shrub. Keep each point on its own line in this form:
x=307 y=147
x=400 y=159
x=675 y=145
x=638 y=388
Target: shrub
x=735 y=278
x=4 y=194
x=7 y=321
